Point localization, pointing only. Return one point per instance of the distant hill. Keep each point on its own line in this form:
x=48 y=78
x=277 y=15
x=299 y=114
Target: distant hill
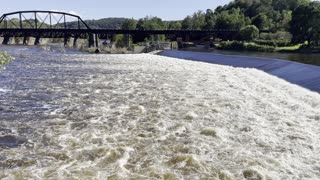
x=105 y=23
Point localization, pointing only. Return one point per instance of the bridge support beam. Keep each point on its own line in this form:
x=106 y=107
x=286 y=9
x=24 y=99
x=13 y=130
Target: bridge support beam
x=66 y=40
x=75 y=42
x=180 y=42
x=37 y=40
x=25 y=40
x=187 y=38
x=156 y=38
x=91 y=40
x=6 y=40
x=127 y=39
x=97 y=40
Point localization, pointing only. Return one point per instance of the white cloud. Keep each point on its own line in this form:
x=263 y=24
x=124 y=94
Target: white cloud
x=70 y=12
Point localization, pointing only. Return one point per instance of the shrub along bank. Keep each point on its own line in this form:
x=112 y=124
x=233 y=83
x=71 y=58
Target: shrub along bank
x=242 y=46
x=5 y=58
x=265 y=46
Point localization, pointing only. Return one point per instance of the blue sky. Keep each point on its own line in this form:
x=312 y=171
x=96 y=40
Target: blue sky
x=96 y=9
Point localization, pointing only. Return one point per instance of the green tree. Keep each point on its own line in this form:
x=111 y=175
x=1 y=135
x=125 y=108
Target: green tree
x=198 y=20
x=210 y=19
x=286 y=17
x=129 y=24
x=249 y=33
x=305 y=24
x=151 y=23
x=174 y=25
x=253 y=9
x=280 y=5
x=233 y=19
x=140 y=24
x=262 y=21
x=187 y=23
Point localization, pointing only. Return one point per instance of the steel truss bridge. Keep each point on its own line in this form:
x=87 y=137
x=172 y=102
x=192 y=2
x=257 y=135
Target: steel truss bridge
x=53 y=24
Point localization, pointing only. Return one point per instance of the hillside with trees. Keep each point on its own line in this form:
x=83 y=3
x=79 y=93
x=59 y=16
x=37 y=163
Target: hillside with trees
x=105 y=23
x=268 y=23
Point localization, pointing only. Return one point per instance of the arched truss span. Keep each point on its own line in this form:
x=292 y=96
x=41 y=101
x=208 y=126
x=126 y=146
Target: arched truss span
x=41 y=20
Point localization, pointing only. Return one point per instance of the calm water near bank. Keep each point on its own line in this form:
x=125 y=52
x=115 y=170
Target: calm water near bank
x=313 y=59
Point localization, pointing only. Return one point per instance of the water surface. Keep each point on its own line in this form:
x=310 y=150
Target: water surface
x=306 y=58
x=305 y=75
x=82 y=116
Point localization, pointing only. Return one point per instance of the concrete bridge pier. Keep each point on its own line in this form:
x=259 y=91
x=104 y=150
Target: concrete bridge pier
x=180 y=42
x=96 y=40
x=37 y=40
x=75 y=42
x=66 y=40
x=6 y=40
x=91 y=40
x=156 y=38
x=25 y=40
x=127 y=39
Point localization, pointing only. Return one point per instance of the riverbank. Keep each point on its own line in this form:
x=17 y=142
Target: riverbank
x=266 y=46
x=301 y=50
x=305 y=58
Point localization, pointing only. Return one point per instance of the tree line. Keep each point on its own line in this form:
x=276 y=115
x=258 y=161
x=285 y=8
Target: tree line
x=296 y=20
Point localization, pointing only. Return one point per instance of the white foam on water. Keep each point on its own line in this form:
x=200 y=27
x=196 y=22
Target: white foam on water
x=4 y=90
x=151 y=117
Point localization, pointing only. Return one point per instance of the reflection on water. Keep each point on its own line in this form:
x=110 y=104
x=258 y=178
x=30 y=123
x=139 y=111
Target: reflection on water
x=80 y=116
x=313 y=59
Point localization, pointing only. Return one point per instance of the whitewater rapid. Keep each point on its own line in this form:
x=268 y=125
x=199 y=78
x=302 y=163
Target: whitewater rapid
x=151 y=117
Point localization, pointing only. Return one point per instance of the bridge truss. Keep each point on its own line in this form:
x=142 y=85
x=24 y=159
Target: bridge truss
x=53 y=24
x=41 y=20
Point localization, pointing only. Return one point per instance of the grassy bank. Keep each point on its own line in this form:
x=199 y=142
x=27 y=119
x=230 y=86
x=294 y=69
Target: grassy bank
x=289 y=48
x=302 y=48
x=262 y=47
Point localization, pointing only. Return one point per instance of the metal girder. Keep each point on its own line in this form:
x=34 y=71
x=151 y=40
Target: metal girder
x=39 y=22
x=44 y=33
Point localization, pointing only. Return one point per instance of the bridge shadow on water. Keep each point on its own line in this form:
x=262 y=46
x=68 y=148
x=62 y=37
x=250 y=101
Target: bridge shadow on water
x=304 y=75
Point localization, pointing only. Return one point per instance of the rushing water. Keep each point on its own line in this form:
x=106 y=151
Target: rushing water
x=81 y=116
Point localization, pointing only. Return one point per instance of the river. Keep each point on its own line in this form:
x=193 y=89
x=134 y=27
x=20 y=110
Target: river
x=306 y=58
x=68 y=115
x=305 y=75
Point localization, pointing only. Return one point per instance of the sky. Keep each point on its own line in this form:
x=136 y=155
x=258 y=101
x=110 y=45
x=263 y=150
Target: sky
x=97 y=9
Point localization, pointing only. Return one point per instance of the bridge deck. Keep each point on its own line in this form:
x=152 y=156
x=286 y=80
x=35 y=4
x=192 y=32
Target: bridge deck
x=110 y=31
